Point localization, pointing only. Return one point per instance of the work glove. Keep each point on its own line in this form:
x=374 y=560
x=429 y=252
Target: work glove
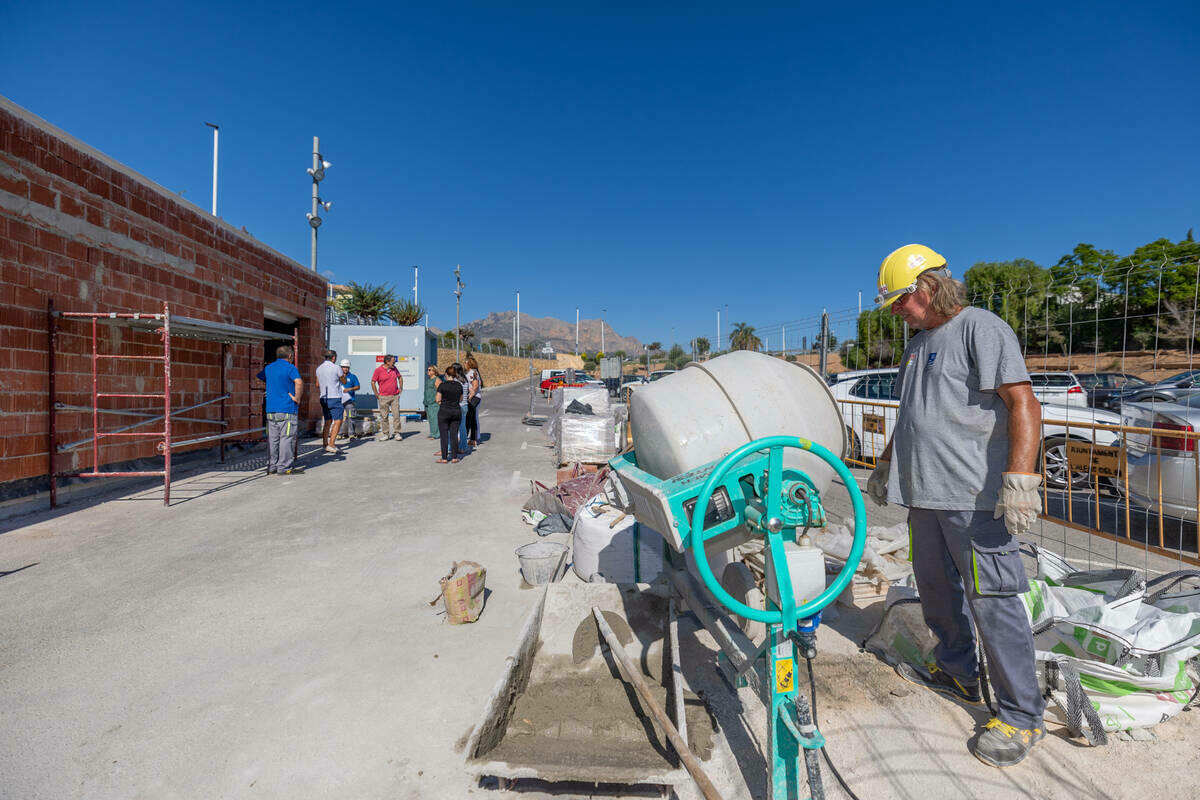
x=877 y=484
x=1019 y=502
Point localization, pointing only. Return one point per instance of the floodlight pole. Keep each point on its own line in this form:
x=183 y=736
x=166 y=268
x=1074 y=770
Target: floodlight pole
x=603 y=311
x=216 y=129
x=316 y=165
x=415 y=271
x=576 y=330
x=517 y=334
x=458 y=287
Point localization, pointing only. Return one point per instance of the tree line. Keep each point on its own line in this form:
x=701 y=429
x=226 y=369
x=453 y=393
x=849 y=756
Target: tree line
x=1091 y=300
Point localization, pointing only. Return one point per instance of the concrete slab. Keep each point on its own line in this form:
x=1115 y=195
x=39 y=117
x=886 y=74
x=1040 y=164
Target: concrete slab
x=272 y=638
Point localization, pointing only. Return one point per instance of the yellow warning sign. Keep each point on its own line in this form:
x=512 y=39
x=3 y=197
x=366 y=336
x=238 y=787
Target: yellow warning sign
x=784 y=675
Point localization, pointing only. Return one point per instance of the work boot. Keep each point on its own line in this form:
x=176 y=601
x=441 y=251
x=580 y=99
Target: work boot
x=1003 y=745
x=935 y=678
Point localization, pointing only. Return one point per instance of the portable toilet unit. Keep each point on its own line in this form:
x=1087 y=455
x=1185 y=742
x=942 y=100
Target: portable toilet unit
x=366 y=345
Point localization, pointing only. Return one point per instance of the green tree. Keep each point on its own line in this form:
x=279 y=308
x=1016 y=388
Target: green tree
x=448 y=339
x=405 y=312
x=497 y=343
x=367 y=300
x=465 y=335
x=702 y=346
x=676 y=358
x=655 y=347
x=742 y=337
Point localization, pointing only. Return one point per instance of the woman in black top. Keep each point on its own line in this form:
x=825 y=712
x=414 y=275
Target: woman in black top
x=449 y=395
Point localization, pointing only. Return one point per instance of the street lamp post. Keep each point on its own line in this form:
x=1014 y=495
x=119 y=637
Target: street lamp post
x=216 y=129
x=603 y=311
x=517 y=326
x=458 y=287
x=415 y=273
x=317 y=171
x=576 y=330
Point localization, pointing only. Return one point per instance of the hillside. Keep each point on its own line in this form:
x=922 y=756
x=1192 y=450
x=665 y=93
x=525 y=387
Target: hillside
x=560 y=334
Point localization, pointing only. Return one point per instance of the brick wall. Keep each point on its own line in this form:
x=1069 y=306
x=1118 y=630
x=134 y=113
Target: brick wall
x=89 y=234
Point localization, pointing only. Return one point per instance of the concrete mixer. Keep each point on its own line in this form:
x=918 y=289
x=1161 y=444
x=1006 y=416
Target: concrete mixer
x=741 y=446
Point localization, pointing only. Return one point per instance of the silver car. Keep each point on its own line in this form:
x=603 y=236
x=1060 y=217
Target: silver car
x=1172 y=388
x=1168 y=454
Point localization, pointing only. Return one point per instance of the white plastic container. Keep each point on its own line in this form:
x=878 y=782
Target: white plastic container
x=706 y=410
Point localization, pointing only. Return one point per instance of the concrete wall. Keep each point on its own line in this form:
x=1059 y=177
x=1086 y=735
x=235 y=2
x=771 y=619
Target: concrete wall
x=87 y=232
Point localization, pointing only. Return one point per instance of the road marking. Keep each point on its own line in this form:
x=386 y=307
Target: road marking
x=483 y=413
x=524 y=445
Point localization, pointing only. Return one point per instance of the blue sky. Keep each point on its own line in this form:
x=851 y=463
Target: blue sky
x=657 y=163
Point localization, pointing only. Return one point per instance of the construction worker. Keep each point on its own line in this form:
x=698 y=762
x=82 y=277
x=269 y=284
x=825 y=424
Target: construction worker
x=961 y=459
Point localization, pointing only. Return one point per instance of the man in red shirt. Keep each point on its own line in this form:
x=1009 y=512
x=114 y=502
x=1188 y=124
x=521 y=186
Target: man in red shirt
x=387 y=384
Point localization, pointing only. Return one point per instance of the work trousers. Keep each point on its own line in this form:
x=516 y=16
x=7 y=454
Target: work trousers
x=449 y=420
x=348 y=419
x=283 y=431
x=431 y=416
x=967 y=566
x=388 y=404
x=473 y=419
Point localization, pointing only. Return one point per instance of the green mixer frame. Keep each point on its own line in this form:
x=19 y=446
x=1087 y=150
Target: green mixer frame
x=750 y=492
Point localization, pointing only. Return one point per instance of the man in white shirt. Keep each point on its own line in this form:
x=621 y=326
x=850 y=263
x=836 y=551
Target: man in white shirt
x=330 y=379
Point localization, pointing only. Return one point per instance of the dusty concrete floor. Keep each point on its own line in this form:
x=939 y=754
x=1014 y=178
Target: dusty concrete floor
x=272 y=638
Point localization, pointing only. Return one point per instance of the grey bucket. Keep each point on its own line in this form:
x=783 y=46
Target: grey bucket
x=540 y=561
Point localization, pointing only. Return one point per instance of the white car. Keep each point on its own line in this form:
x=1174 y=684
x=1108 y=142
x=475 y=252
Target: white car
x=869 y=400
x=1165 y=462
x=1058 y=387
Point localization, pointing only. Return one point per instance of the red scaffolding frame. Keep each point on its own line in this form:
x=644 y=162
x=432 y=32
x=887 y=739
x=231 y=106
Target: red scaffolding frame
x=166 y=326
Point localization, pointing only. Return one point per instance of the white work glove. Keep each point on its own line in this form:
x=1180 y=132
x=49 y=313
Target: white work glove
x=877 y=484
x=1019 y=502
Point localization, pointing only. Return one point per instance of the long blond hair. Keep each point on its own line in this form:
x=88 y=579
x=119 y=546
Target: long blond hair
x=947 y=296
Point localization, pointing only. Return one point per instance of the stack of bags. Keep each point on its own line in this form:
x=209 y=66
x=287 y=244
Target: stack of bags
x=581 y=424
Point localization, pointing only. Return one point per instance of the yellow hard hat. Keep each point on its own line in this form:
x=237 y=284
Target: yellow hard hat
x=899 y=271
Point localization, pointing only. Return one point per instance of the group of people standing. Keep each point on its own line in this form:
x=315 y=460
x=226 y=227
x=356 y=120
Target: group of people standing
x=452 y=407
x=451 y=402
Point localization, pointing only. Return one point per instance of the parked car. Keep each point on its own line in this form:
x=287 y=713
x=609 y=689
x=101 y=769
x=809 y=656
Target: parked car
x=659 y=374
x=581 y=379
x=1173 y=388
x=1104 y=388
x=1168 y=454
x=872 y=395
x=549 y=376
x=1058 y=387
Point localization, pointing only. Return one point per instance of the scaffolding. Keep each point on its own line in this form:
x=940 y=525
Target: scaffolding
x=167 y=326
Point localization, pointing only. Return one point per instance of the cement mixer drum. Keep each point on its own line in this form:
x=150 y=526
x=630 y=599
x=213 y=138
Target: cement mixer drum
x=708 y=409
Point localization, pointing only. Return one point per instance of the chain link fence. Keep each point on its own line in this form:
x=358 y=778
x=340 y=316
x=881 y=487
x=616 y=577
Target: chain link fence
x=1111 y=346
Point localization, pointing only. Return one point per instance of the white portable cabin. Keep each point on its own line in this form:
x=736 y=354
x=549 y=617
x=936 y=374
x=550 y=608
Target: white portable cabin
x=365 y=346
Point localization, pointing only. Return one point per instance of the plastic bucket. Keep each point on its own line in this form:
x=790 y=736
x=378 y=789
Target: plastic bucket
x=539 y=561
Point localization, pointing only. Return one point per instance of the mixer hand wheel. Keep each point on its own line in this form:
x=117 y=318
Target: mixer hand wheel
x=790 y=611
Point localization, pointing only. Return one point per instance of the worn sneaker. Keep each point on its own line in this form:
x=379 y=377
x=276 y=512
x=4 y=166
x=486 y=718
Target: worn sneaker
x=1003 y=745
x=935 y=678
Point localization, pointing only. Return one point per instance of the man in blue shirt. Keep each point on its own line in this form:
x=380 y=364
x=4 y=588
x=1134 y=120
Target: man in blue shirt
x=283 y=406
x=349 y=387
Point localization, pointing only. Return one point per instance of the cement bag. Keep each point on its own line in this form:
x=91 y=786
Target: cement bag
x=462 y=592
x=902 y=634
x=1112 y=651
x=609 y=543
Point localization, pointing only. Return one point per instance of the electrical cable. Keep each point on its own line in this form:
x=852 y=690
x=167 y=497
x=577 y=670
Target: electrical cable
x=812 y=688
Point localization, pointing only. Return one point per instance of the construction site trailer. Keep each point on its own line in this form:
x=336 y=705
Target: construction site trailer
x=365 y=346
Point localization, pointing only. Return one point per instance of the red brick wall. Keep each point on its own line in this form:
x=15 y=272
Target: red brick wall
x=91 y=235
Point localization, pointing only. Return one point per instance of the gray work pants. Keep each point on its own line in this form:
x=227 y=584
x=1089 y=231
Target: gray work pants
x=283 y=431
x=967 y=566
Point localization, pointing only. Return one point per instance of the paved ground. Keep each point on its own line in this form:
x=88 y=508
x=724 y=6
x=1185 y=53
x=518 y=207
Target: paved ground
x=272 y=638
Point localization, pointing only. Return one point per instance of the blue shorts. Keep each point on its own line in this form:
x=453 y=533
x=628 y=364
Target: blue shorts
x=331 y=408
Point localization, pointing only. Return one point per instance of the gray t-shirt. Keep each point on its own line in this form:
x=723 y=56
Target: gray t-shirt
x=329 y=377
x=950 y=444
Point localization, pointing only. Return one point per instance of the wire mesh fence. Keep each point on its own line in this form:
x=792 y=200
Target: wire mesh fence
x=1111 y=349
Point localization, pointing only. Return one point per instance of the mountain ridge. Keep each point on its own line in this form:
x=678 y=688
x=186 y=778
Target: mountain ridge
x=556 y=332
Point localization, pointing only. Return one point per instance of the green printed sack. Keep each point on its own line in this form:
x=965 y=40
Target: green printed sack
x=1113 y=652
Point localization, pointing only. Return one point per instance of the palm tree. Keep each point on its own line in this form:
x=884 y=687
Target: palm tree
x=405 y=311
x=367 y=300
x=702 y=345
x=743 y=338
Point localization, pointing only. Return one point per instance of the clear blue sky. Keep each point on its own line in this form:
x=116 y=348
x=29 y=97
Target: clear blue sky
x=656 y=163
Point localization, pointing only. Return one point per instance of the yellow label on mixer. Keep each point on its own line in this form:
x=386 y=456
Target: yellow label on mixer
x=783 y=675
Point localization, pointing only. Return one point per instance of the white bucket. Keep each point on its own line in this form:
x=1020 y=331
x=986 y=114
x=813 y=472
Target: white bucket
x=539 y=561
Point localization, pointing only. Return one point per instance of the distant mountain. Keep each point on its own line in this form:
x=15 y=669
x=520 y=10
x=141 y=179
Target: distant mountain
x=560 y=335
